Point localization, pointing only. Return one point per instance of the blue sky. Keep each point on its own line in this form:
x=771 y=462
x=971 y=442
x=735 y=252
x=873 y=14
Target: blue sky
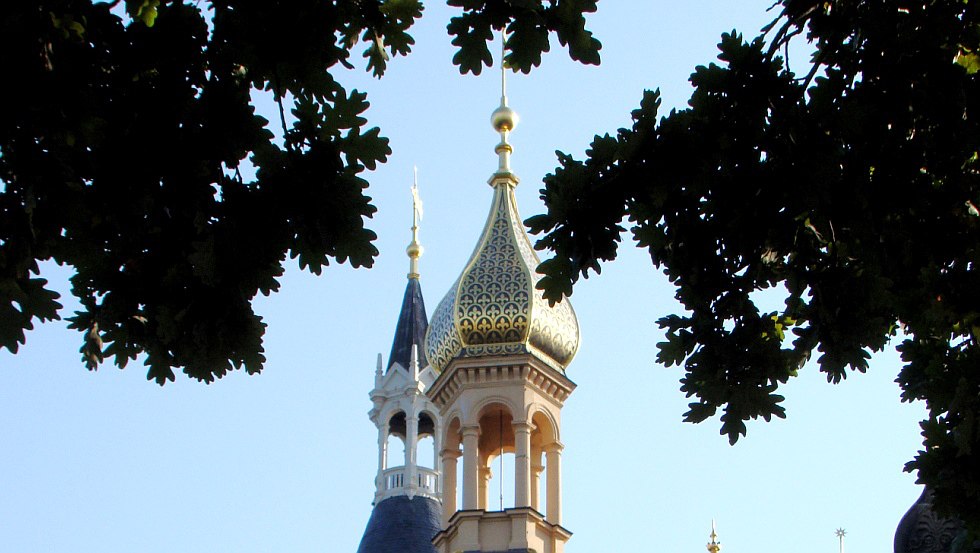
x=285 y=461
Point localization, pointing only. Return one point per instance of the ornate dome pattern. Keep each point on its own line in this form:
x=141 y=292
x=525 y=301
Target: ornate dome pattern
x=923 y=531
x=441 y=339
x=494 y=307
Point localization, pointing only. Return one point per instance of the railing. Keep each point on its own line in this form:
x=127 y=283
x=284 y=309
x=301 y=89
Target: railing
x=427 y=479
x=394 y=481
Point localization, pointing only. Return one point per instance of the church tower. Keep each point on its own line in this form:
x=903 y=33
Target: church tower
x=407 y=510
x=500 y=351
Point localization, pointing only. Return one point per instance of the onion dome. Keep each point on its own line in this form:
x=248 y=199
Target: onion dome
x=494 y=307
x=923 y=531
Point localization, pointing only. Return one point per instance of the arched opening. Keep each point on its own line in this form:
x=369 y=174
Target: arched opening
x=394 y=451
x=545 y=470
x=452 y=492
x=426 y=453
x=500 y=486
x=393 y=457
x=496 y=458
x=394 y=454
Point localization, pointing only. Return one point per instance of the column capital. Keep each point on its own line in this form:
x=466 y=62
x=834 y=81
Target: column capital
x=470 y=430
x=450 y=453
x=553 y=447
x=522 y=426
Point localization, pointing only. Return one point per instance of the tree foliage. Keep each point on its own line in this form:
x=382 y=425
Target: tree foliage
x=126 y=132
x=850 y=191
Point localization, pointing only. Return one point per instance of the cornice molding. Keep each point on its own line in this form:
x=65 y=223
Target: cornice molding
x=480 y=372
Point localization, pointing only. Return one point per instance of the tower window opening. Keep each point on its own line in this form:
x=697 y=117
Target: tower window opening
x=394 y=451
x=496 y=478
x=397 y=424
x=500 y=486
x=426 y=452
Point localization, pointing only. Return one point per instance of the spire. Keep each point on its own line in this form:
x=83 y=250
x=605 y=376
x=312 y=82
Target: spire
x=414 y=249
x=714 y=546
x=412 y=320
x=503 y=120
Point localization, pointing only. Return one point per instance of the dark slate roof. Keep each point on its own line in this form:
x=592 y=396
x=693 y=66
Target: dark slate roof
x=402 y=525
x=412 y=323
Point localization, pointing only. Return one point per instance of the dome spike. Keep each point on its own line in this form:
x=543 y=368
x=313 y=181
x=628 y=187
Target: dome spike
x=714 y=546
x=503 y=120
x=414 y=249
x=503 y=66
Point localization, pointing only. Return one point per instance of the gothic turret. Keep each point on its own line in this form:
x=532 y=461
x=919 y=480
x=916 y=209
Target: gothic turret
x=412 y=320
x=407 y=493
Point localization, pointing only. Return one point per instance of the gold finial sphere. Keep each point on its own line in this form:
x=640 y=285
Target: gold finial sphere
x=504 y=119
x=414 y=250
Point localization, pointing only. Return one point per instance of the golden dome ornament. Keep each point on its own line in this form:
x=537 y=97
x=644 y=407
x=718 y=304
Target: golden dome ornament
x=494 y=307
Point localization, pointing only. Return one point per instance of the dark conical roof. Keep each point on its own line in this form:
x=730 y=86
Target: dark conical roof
x=412 y=324
x=402 y=525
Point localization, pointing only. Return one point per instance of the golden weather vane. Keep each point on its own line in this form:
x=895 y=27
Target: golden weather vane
x=714 y=546
x=414 y=249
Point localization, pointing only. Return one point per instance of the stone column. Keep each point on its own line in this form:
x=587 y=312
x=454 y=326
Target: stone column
x=449 y=457
x=536 y=469
x=411 y=446
x=437 y=458
x=379 y=483
x=522 y=464
x=485 y=475
x=471 y=458
x=553 y=460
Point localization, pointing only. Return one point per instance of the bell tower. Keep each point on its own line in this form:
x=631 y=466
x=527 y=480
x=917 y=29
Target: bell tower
x=500 y=351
